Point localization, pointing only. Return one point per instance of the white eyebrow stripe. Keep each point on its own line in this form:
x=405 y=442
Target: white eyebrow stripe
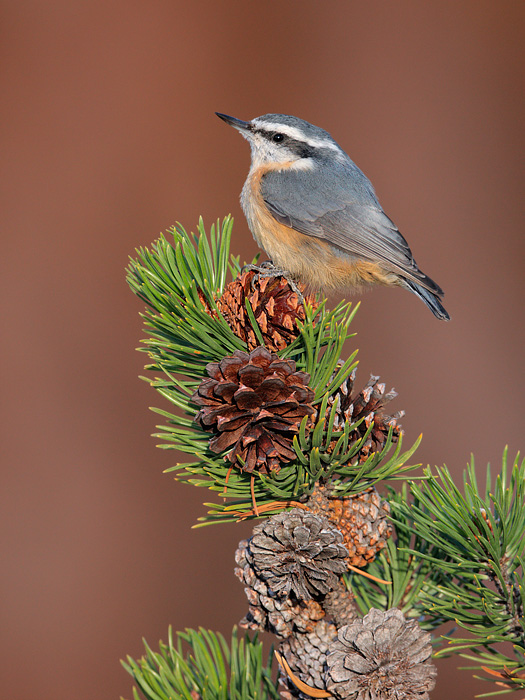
x=295 y=133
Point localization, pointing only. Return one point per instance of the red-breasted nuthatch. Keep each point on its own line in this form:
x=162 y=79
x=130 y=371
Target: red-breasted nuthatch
x=316 y=215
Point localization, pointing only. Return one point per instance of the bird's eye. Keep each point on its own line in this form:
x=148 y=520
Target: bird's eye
x=278 y=138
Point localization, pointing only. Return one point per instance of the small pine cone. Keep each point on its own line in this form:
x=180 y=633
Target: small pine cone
x=268 y=612
x=298 y=553
x=339 y=606
x=306 y=656
x=363 y=520
x=276 y=309
x=381 y=656
x=254 y=403
x=368 y=404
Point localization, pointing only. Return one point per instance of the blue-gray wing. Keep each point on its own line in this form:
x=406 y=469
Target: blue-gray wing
x=341 y=208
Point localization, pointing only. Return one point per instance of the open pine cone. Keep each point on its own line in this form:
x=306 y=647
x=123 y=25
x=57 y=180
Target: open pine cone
x=382 y=656
x=268 y=611
x=299 y=553
x=368 y=404
x=275 y=306
x=254 y=403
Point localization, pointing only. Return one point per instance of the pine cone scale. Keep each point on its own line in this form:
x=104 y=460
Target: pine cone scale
x=289 y=406
x=247 y=399
x=272 y=387
x=230 y=420
x=224 y=440
x=252 y=374
x=224 y=391
x=228 y=367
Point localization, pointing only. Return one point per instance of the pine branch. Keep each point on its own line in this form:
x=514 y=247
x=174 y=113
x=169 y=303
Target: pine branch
x=265 y=407
x=476 y=537
x=182 y=282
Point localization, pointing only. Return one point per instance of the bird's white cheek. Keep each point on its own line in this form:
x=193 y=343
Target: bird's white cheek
x=262 y=153
x=265 y=152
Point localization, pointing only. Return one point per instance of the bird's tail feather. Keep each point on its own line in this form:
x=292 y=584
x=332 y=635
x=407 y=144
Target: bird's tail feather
x=431 y=300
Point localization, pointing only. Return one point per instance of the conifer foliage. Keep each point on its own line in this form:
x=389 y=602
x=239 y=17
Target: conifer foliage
x=351 y=584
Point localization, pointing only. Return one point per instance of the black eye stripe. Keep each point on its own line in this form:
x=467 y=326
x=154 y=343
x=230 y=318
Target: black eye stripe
x=302 y=149
x=270 y=135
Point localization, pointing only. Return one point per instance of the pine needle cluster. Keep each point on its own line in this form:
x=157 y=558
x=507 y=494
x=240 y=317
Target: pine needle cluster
x=202 y=665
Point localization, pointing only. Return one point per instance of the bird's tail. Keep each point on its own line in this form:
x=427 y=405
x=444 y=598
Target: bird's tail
x=430 y=299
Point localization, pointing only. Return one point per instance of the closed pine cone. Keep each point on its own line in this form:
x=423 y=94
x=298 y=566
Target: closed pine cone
x=362 y=518
x=306 y=656
x=340 y=606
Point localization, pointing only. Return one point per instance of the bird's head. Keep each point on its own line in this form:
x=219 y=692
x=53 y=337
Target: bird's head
x=280 y=139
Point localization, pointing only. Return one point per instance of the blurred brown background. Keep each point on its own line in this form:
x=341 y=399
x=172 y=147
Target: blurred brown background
x=108 y=137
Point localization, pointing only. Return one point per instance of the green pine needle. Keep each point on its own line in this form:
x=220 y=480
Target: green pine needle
x=202 y=662
x=474 y=553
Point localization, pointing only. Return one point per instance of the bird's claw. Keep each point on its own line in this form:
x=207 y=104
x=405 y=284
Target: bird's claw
x=268 y=269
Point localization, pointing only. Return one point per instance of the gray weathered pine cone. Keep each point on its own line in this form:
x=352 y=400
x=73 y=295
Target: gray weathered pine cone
x=298 y=553
x=306 y=656
x=340 y=607
x=382 y=656
x=268 y=612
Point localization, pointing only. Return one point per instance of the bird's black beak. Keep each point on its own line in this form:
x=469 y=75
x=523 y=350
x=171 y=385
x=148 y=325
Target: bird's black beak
x=236 y=123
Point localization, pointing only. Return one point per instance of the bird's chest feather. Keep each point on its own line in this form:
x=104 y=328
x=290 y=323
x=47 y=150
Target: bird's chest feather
x=278 y=241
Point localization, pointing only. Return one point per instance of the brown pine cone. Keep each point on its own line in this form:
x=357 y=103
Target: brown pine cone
x=276 y=309
x=268 y=612
x=381 y=656
x=254 y=403
x=306 y=656
x=363 y=520
x=368 y=404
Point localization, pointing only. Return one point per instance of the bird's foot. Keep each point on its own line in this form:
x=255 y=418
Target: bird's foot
x=268 y=269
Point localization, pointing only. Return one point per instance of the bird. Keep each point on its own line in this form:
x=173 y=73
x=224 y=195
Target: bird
x=316 y=215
